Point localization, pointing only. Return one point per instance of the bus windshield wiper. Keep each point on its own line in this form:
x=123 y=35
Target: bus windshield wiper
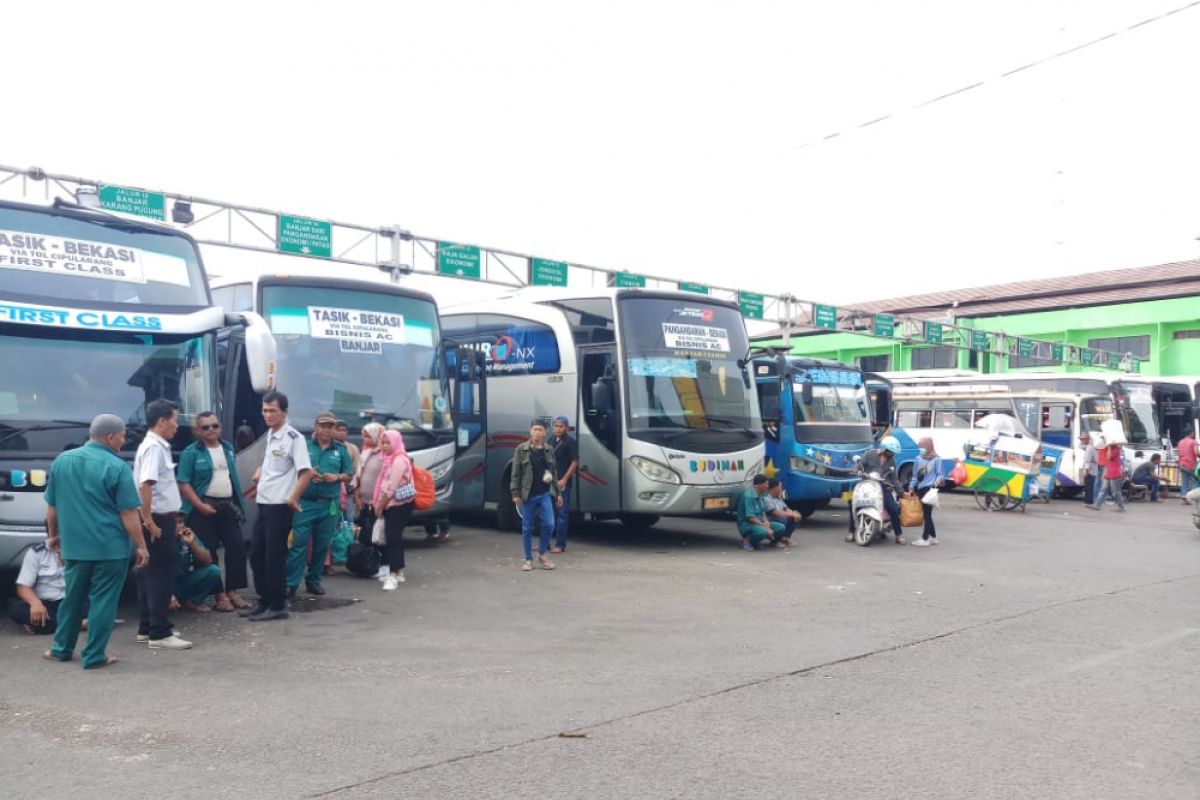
x=733 y=425
x=392 y=416
x=51 y=425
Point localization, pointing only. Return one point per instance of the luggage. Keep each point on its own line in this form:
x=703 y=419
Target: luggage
x=362 y=560
x=426 y=494
x=911 y=513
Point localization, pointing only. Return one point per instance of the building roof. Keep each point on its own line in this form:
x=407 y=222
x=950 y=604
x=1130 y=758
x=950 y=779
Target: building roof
x=1176 y=279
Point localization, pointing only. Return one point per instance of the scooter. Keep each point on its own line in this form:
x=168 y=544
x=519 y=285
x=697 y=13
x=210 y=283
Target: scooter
x=866 y=507
x=1193 y=497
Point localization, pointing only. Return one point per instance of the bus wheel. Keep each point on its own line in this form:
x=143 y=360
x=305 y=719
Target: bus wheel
x=638 y=521
x=905 y=473
x=806 y=508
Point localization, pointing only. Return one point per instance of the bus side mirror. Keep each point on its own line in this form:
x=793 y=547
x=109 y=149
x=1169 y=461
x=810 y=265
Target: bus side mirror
x=259 y=349
x=806 y=394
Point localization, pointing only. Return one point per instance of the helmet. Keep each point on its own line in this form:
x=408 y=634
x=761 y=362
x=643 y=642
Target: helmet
x=890 y=443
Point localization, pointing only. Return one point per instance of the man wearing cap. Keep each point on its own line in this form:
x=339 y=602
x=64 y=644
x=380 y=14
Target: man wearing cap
x=535 y=492
x=278 y=485
x=566 y=462
x=91 y=518
x=154 y=471
x=318 y=517
x=752 y=522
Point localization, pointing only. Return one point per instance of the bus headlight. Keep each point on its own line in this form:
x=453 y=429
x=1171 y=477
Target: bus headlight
x=440 y=471
x=655 y=471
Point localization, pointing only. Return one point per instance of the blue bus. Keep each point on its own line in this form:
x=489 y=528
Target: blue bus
x=817 y=416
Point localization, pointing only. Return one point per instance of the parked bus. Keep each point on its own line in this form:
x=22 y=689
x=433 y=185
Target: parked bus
x=656 y=383
x=817 y=417
x=98 y=313
x=368 y=351
x=1155 y=411
x=950 y=414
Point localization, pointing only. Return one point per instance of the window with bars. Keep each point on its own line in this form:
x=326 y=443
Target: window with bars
x=1138 y=346
x=934 y=358
x=875 y=363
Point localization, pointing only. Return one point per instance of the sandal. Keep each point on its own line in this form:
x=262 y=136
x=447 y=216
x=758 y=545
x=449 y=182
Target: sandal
x=237 y=601
x=901 y=540
x=849 y=537
x=107 y=662
x=49 y=656
x=526 y=566
x=443 y=538
x=224 y=606
x=195 y=609
x=545 y=562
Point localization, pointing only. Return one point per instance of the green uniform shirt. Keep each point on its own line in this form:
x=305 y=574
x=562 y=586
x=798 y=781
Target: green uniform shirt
x=332 y=460
x=187 y=559
x=196 y=470
x=750 y=505
x=89 y=488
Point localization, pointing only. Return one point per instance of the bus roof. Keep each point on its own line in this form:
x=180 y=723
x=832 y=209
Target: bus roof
x=273 y=278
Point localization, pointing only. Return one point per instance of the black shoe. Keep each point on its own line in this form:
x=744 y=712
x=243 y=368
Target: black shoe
x=312 y=588
x=250 y=612
x=268 y=614
x=291 y=592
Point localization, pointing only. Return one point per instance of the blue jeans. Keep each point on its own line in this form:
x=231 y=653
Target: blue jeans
x=561 y=517
x=1153 y=485
x=1111 y=487
x=535 y=510
x=1188 y=481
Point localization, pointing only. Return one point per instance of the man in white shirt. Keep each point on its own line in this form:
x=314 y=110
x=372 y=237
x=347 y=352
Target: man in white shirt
x=41 y=586
x=154 y=474
x=278 y=484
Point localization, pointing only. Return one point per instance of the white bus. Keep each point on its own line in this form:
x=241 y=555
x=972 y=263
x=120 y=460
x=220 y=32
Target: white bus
x=1155 y=411
x=368 y=351
x=656 y=384
x=98 y=313
x=949 y=414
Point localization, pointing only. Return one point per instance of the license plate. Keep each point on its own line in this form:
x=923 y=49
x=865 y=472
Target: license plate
x=715 y=503
x=847 y=496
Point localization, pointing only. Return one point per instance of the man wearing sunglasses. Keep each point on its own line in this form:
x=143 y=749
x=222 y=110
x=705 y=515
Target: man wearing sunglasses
x=319 y=513
x=212 y=505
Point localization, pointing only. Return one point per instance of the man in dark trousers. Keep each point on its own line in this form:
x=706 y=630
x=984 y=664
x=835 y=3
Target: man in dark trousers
x=91 y=519
x=154 y=473
x=566 y=463
x=278 y=485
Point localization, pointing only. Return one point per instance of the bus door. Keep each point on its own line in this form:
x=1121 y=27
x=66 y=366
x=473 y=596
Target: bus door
x=879 y=402
x=1058 y=423
x=599 y=427
x=468 y=391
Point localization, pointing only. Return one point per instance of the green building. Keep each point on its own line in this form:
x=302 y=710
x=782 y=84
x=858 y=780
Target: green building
x=1151 y=313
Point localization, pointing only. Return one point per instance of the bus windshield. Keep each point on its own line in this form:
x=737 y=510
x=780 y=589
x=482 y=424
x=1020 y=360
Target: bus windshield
x=1093 y=411
x=682 y=372
x=54 y=384
x=1138 y=415
x=837 y=397
x=362 y=354
x=59 y=254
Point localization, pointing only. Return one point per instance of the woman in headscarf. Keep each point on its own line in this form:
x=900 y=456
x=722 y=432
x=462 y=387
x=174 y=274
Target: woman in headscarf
x=395 y=472
x=370 y=463
x=927 y=474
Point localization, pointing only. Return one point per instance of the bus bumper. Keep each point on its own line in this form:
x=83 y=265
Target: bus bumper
x=15 y=540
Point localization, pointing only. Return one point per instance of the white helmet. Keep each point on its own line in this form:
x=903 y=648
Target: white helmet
x=891 y=444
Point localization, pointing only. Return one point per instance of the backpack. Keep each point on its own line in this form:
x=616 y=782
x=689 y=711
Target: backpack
x=426 y=494
x=362 y=560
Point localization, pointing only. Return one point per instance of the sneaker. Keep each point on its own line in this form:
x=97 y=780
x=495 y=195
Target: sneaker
x=747 y=546
x=934 y=540
x=389 y=584
x=920 y=543
x=383 y=572
x=254 y=610
x=526 y=566
x=172 y=642
x=269 y=614
x=400 y=576
x=145 y=637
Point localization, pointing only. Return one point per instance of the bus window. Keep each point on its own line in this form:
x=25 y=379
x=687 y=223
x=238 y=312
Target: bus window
x=914 y=419
x=1057 y=419
x=958 y=418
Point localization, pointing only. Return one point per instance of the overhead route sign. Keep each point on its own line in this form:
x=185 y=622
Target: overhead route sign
x=628 y=280
x=698 y=288
x=751 y=304
x=133 y=201
x=933 y=332
x=885 y=325
x=825 y=316
x=459 y=260
x=547 y=273
x=980 y=340
x=307 y=237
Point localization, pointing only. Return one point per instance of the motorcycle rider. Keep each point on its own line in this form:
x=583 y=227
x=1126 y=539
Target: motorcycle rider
x=882 y=461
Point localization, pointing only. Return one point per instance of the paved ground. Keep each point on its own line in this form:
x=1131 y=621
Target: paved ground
x=1050 y=654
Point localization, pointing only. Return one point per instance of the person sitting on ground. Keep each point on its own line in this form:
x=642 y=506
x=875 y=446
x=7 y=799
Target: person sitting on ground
x=197 y=576
x=41 y=585
x=752 y=522
x=1146 y=474
x=777 y=511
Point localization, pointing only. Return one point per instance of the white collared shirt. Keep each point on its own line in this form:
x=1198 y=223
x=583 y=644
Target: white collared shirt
x=285 y=458
x=154 y=463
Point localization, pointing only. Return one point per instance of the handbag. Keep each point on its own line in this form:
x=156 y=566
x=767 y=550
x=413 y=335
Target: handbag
x=405 y=493
x=911 y=513
x=362 y=560
x=931 y=497
x=342 y=538
x=379 y=532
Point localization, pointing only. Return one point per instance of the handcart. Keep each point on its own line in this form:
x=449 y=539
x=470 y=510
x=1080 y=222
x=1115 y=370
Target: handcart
x=1003 y=471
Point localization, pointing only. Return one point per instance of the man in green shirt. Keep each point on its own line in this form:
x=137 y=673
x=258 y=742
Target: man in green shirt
x=319 y=512
x=91 y=518
x=752 y=522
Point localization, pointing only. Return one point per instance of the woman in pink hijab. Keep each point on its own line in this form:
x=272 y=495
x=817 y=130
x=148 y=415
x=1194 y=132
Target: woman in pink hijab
x=370 y=464
x=395 y=472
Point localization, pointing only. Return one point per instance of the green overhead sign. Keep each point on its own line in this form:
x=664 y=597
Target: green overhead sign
x=458 y=260
x=547 y=273
x=307 y=237
x=751 y=304
x=825 y=316
x=627 y=280
x=1114 y=360
x=1086 y=357
x=885 y=325
x=698 y=288
x=1025 y=348
x=980 y=340
x=133 y=201
x=1056 y=352
x=933 y=332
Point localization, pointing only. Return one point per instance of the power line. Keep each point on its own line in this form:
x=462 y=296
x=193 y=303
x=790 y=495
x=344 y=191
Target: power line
x=1045 y=60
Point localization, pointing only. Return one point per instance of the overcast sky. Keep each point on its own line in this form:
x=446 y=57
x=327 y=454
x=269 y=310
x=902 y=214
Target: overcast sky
x=657 y=137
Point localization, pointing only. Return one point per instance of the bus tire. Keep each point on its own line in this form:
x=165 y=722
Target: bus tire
x=806 y=508
x=639 y=521
x=905 y=473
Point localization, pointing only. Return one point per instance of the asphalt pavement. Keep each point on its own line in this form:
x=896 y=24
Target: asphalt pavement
x=1051 y=653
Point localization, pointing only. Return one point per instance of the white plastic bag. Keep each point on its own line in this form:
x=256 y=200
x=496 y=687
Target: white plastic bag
x=379 y=532
x=931 y=498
